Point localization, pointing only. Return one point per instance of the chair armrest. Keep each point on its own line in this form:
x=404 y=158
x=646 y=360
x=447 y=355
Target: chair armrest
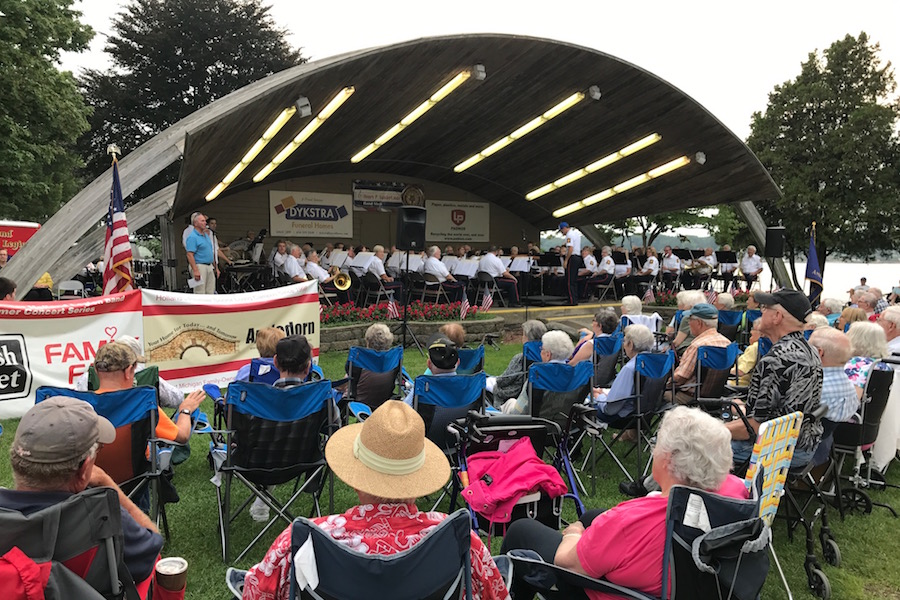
x=359 y=410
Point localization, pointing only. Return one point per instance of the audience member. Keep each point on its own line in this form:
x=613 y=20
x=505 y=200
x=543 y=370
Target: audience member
x=556 y=347
x=685 y=301
x=266 y=340
x=831 y=308
x=747 y=360
x=618 y=400
x=7 y=289
x=443 y=358
x=866 y=302
x=624 y=545
x=604 y=324
x=838 y=392
x=511 y=383
x=724 y=301
x=850 y=315
x=455 y=332
x=816 y=320
x=868 y=345
x=54 y=455
x=703 y=320
x=890 y=322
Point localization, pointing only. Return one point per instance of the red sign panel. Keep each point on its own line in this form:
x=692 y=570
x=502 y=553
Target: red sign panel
x=14 y=234
x=458 y=216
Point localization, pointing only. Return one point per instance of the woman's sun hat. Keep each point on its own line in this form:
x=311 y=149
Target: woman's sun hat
x=388 y=455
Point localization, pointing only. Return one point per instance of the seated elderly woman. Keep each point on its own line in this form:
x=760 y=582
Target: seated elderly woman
x=747 y=360
x=374 y=388
x=850 y=315
x=556 y=347
x=604 y=324
x=624 y=544
x=868 y=345
x=724 y=301
x=631 y=312
x=511 y=382
x=389 y=463
x=618 y=400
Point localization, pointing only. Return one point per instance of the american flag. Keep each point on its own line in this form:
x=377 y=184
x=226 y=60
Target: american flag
x=393 y=309
x=463 y=308
x=711 y=296
x=487 y=302
x=649 y=296
x=117 y=251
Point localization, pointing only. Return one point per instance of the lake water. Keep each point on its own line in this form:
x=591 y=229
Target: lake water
x=841 y=276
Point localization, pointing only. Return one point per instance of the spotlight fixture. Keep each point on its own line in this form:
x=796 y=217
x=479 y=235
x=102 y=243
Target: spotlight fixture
x=330 y=108
x=521 y=131
x=594 y=166
x=623 y=186
x=477 y=71
x=279 y=122
x=700 y=157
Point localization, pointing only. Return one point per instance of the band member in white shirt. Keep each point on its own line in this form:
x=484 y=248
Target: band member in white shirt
x=278 y=258
x=648 y=273
x=490 y=263
x=376 y=267
x=434 y=266
x=571 y=261
x=603 y=274
x=751 y=266
x=671 y=268
x=292 y=266
x=315 y=270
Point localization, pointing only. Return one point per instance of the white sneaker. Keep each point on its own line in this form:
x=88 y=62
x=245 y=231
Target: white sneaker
x=259 y=511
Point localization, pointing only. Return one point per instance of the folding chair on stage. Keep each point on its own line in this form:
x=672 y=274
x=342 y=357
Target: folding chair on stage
x=434 y=289
x=82 y=538
x=722 y=557
x=136 y=460
x=437 y=567
x=487 y=285
x=272 y=436
x=374 y=378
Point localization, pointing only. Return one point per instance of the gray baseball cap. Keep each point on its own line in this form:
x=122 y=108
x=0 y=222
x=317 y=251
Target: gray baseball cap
x=60 y=429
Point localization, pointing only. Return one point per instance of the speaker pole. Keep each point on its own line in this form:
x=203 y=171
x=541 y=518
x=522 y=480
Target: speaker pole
x=406 y=328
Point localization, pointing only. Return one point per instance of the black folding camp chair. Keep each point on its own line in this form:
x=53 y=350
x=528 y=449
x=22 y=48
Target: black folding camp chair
x=436 y=568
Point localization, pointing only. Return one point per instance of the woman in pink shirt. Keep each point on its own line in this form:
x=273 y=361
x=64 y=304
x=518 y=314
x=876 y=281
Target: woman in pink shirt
x=625 y=544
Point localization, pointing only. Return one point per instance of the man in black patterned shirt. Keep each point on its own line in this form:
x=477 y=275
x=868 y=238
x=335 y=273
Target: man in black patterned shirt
x=787 y=379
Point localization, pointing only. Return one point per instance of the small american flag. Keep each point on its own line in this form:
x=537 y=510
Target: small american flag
x=117 y=250
x=487 y=302
x=649 y=296
x=712 y=296
x=463 y=308
x=733 y=287
x=321 y=311
x=393 y=310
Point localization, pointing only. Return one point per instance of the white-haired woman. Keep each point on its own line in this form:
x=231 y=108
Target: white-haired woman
x=868 y=345
x=625 y=544
x=681 y=331
x=618 y=400
x=556 y=347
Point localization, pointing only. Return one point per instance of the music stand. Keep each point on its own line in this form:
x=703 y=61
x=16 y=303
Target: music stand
x=682 y=253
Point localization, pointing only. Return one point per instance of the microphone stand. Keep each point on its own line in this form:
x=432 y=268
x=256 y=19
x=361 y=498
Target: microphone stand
x=408 y=288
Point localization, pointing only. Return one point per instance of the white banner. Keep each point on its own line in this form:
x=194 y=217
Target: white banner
x=205 y=338
x=52 y=343
x=457 y=221
x=310 y=214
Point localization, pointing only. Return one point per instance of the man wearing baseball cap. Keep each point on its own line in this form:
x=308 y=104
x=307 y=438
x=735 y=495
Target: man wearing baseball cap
x=703 y=321
x=53 y=457
x=443 y=358
x=788 y=378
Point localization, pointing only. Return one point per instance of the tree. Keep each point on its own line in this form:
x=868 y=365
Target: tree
x=171 y=58
x=651 y=227
x=829 y=138
x=41 y=112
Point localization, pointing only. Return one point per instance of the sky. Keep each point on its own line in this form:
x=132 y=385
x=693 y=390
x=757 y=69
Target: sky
x=726 y=55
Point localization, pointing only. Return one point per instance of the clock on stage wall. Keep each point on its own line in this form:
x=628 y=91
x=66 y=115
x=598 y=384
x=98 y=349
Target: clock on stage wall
x=413 y=195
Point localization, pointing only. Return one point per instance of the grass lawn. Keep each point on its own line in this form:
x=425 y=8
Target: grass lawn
x=869 y=544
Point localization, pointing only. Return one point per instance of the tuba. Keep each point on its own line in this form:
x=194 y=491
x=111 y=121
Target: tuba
x=341 y=280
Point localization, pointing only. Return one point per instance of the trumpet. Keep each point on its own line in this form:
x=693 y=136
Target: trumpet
x=341 y=280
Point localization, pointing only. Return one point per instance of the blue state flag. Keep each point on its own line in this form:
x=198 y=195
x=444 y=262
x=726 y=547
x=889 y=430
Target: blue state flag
x=813 y=272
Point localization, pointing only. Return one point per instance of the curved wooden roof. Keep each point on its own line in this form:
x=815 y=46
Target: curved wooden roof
x=525 y=77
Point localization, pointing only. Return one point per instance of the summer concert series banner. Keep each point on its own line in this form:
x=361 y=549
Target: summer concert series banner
x=197 y=339
x=52 y=343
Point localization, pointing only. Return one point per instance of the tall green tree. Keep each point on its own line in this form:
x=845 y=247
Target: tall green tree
x=41 y=111
x=171 y=58
x=829 y=138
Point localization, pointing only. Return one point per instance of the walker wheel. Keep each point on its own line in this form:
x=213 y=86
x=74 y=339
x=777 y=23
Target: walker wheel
x=831 y=552
x=856 y=500
x=819 y=584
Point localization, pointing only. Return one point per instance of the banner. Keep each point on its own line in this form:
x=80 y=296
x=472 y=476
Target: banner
x=310 y=214
x=52 y=343
x=457 y=221
x=198 y=339
x=385 y=195
x=14 y=234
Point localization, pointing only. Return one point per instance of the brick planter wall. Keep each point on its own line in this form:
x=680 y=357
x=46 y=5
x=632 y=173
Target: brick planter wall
x=342 y=338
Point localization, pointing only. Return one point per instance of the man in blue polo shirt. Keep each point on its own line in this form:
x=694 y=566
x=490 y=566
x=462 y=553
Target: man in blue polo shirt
x=200 y=256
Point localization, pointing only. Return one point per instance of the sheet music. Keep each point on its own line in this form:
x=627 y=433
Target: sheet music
x=362 y=261
x=450 y=262
x=337 y=258
x=520 y=265
x=505 y=260
x=415 y=263
x=467 y=267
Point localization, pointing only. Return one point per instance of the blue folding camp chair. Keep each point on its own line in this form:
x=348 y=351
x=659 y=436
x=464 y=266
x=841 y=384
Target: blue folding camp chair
x=440 y=399
x=437 y=567
x=730 y=323
x=606 y=356
x=532 y=352
x=750 y=315
x=374 y=376
x=713 y=367
x=263 y=372
x=471 y=360
x=135 y=461
x=273 y=436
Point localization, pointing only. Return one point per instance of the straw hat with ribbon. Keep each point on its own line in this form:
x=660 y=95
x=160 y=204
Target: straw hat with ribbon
x=388 y=455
